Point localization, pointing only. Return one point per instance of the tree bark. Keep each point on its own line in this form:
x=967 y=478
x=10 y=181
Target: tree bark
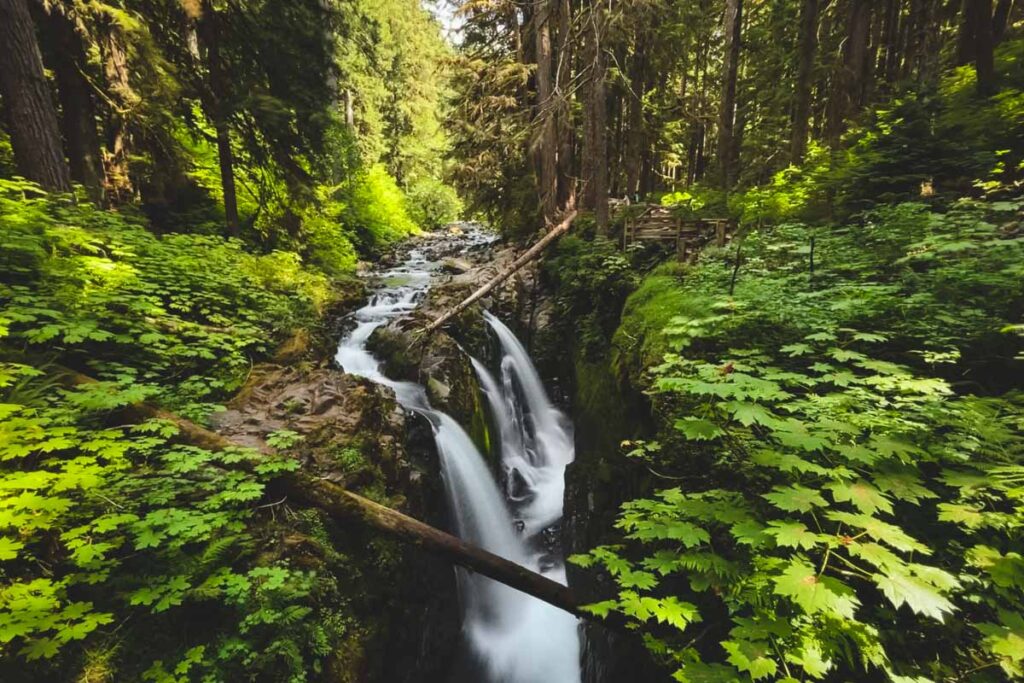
x=122 y=100
x=1000 y=19
x=888 y=61
x=808 y=45
x=32 y=118
x=634 y=133
x=66 y=54
x=527 y=256
x=216 y=108
x=732 y=24
x=848 y=89
x=564 y=120
x=984 y=45
x=546 y=143
x=595 y=136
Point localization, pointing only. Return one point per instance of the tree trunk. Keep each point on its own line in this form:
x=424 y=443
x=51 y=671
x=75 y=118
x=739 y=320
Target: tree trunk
x=804 y=73
x=1000 y=19
x=564 y=123
x=634 y=132
x=546 y=142
x=66 y=54
x=122 y=99
x=888 y=61
x=595 y=140
x=32 y=118
x=730 y=68
x=984 y=45
x=848 y=89
x=216 y=109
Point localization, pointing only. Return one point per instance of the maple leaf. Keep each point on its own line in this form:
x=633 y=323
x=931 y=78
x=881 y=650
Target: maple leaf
x=814 y=593
x=862 y=495
x=749 y=414
x=697 y=429
x=750 y=656
x=795 y=498
x=901 y=587
x=9 y=548
x=789 y=534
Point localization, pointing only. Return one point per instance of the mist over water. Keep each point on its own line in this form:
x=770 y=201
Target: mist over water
x=513 y=637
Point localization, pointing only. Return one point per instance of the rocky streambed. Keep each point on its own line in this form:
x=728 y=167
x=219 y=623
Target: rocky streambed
x=403 y=604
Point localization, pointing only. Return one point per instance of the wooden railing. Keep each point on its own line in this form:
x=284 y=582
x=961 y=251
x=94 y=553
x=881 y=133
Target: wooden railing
x=657 y=224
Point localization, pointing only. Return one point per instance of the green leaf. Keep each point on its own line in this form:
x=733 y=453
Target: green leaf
x=601 y=609
x=749 y=414
x=790 y=534
x=964 y=515
x=913 y=590
x=40 y=648
x=699 y=672
x=751 y=656
x=795 y=498
x=811 y=660
x=9 y=548
x=637 y=579
x=672 y=611
x=797 y=349
x=861 y=494
x=697 y=429
x=1006 y=641
x=813 y=593
x=903 y=486
x=880 y=531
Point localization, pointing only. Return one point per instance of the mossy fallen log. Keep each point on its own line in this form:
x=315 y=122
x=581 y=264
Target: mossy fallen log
x=505 y=274
x=344 y=504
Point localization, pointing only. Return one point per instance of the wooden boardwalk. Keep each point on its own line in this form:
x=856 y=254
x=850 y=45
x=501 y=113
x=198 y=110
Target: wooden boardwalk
x=657 y=224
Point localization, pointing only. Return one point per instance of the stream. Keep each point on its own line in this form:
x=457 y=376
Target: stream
x=511 y=637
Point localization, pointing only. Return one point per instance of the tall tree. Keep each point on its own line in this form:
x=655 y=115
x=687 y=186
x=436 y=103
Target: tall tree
x=984 y=45
x=215 y=102
x=807 y=46
x=564 y=65
x=65 y=51
x=848 y=86
x=121 y=99
x=32 y=118
x=1000 y=19
x=595 y=136
x=732 y=23
x=546 y=137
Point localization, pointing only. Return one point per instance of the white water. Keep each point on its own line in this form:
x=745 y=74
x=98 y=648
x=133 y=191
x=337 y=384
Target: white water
x=516 y=638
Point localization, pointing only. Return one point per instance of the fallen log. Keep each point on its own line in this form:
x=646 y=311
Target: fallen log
x=525 y=258
x=342 y=503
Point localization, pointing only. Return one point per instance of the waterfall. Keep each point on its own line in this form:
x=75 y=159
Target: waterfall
x=516 y=638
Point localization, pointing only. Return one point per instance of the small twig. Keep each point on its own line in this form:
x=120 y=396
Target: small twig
x=812 y=260
x=119 y=507
x=735 y=267
x=270 y=505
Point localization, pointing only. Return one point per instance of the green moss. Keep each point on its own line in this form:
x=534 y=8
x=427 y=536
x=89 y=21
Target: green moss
x=662 y=295
x=599 y=411
x=479 y=430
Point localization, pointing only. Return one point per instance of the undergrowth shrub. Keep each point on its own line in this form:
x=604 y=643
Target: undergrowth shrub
x=849 y=451
x=432 y=203
x=105 y=523
x=377 y=210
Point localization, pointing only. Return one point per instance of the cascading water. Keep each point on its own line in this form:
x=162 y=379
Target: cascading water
x=514 y=637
